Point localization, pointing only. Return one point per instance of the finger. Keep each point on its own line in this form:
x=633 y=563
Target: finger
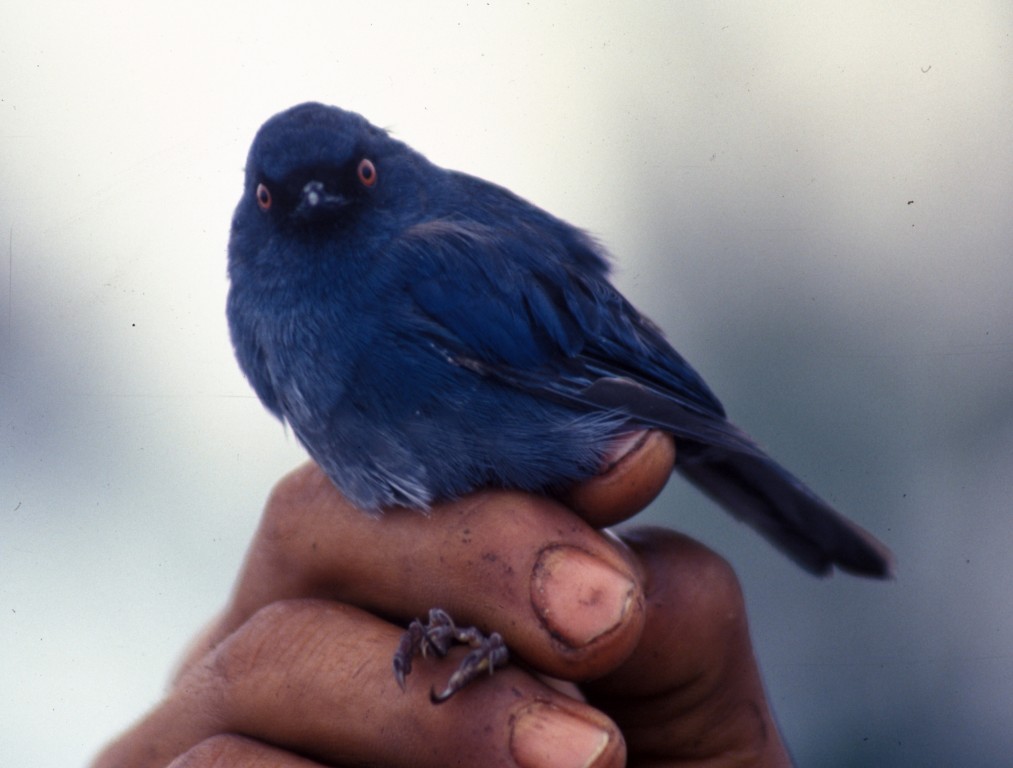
x=313 y=677
x=563 y=596
x=229 y=749
x=638 y=471
x=691 y=689
x=640 y=468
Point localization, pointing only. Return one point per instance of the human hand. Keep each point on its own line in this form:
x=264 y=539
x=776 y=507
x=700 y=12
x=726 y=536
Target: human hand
x=297 y=669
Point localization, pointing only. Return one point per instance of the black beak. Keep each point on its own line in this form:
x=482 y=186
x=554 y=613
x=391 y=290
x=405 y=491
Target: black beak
x=317 y=200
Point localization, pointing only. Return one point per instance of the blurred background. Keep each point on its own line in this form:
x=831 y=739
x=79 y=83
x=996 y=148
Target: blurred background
x=813 y=199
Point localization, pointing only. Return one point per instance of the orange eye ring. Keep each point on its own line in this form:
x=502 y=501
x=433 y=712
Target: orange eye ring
x=366 y=172
x=263 y=197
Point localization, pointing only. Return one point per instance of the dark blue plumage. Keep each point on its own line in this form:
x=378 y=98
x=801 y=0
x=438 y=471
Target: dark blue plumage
x=426 y=333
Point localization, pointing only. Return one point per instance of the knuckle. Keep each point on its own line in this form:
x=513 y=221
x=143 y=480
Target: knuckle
x=719 y=589
x=264 y=649
x=300 y=504
x=290 y=497
x=301 y=507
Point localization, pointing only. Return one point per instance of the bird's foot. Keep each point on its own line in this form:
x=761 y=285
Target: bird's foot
x=436 y=637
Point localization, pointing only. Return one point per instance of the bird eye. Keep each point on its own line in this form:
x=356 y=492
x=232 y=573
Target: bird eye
x=263 y=197
x=366 y=172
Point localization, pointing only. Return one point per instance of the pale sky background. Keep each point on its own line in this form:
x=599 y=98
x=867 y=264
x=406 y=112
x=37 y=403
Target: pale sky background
x=813 y=199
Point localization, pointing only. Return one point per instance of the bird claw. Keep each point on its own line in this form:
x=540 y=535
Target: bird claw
x=436 y=637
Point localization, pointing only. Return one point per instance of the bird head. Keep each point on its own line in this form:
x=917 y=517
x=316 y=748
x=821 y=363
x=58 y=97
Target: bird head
x=317 y=171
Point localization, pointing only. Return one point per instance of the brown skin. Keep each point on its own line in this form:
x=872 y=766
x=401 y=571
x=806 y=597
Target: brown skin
x=296 y=671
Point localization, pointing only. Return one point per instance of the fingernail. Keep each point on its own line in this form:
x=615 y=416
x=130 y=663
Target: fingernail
x=579 y=597
x=544 y=735
x=623 y=446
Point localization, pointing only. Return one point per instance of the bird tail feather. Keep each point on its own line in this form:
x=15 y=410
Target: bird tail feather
x=760 y=492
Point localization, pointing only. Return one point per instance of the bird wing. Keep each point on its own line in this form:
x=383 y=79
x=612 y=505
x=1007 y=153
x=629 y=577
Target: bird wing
x=527 y=313
x=524 y=310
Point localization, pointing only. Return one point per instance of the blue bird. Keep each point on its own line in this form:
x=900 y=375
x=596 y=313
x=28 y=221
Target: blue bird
x=425 y=333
